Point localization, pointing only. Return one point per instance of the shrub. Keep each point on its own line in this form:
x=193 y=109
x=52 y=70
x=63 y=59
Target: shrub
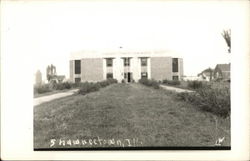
x=123 y=81
x=60 y=86
x=87 y=87
x=214 y=100
x=104 y=83
x=67 y=85
x=171 y=82
x=155 y=85
x=150 y=83
x=195 y=84
x=42 y=88
x=112 y=81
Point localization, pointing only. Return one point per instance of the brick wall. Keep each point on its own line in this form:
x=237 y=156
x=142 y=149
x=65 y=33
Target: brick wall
x=92 y=69
x=161 y=68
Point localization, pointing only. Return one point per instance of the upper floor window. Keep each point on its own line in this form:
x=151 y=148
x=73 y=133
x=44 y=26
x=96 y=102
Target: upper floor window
x=77 y=66
x=175 y=64
x=126 y=62
x=143 y=61
x=109 y=62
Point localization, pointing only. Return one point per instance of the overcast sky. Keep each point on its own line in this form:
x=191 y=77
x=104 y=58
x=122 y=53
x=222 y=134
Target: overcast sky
x=46 y=32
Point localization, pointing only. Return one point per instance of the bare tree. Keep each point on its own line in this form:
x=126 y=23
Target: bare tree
x=227 y=36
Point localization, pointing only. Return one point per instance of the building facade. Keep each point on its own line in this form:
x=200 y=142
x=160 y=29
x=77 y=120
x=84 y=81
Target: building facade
x=127 y=66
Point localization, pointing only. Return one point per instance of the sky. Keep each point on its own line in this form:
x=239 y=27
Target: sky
x=46 y=32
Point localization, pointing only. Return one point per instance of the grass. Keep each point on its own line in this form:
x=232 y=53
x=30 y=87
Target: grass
x=127 y=111
x=36 y=95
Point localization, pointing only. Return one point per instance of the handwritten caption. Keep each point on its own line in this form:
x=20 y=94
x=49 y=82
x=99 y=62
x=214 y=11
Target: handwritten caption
x=96 y=142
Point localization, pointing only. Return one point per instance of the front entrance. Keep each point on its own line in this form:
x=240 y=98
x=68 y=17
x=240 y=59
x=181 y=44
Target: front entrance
x=128 y=77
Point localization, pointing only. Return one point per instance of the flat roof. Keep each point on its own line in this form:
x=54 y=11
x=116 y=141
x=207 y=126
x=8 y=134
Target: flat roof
x=122 y=53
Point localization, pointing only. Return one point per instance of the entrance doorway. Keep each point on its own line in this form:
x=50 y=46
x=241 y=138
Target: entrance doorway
x=128 y=76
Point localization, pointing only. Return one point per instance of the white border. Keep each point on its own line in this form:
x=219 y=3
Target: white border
x=17 y=107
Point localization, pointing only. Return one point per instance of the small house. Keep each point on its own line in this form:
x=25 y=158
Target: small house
x=222 y=72
x=206 y=75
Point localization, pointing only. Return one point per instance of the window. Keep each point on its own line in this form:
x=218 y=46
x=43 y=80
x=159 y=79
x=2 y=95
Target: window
x=109 y=62
x=109 y=76
x=126 y=62
x=175 y=64
x=77 y=66
x=144 y=75
x=77 y=80
x=175 y=78
x=143 y=61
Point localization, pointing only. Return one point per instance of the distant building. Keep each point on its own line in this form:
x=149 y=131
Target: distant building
x=38 y=78
x=127 y=66
x=222 y=72
x=206 y=75
x=57 y=78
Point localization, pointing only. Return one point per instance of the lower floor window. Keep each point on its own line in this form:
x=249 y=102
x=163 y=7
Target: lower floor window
x=109 y=75
x=77 y=80
x=175 y=78
x=144 y=75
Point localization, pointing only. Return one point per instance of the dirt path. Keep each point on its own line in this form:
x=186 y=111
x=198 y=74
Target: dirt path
x=179 y=90
x=40 y=100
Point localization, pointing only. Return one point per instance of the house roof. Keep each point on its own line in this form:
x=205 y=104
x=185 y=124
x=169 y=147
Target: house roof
x=223 y=67
x=206 y=72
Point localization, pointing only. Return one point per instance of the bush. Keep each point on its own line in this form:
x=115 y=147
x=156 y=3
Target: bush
x=42 y=88
x=87 y=87
x=103 y=83
x=195 y=84
x=67 y=85
x=60 y=86
x=150 y=83
x=171 y=82
x=155 y=85
x=214 y=100
x=111 y=81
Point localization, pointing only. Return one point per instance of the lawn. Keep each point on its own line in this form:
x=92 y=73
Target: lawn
x=124 y=115
x=37 y=95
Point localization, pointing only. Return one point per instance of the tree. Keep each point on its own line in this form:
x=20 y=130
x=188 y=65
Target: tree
x=48 y=73
x=226 y=34
x=51 y=72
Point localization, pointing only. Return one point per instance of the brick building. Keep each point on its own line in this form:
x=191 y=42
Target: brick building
x=128 y=66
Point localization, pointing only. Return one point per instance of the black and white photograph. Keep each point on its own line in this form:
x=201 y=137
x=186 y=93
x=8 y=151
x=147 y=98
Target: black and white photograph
x=125 y=76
